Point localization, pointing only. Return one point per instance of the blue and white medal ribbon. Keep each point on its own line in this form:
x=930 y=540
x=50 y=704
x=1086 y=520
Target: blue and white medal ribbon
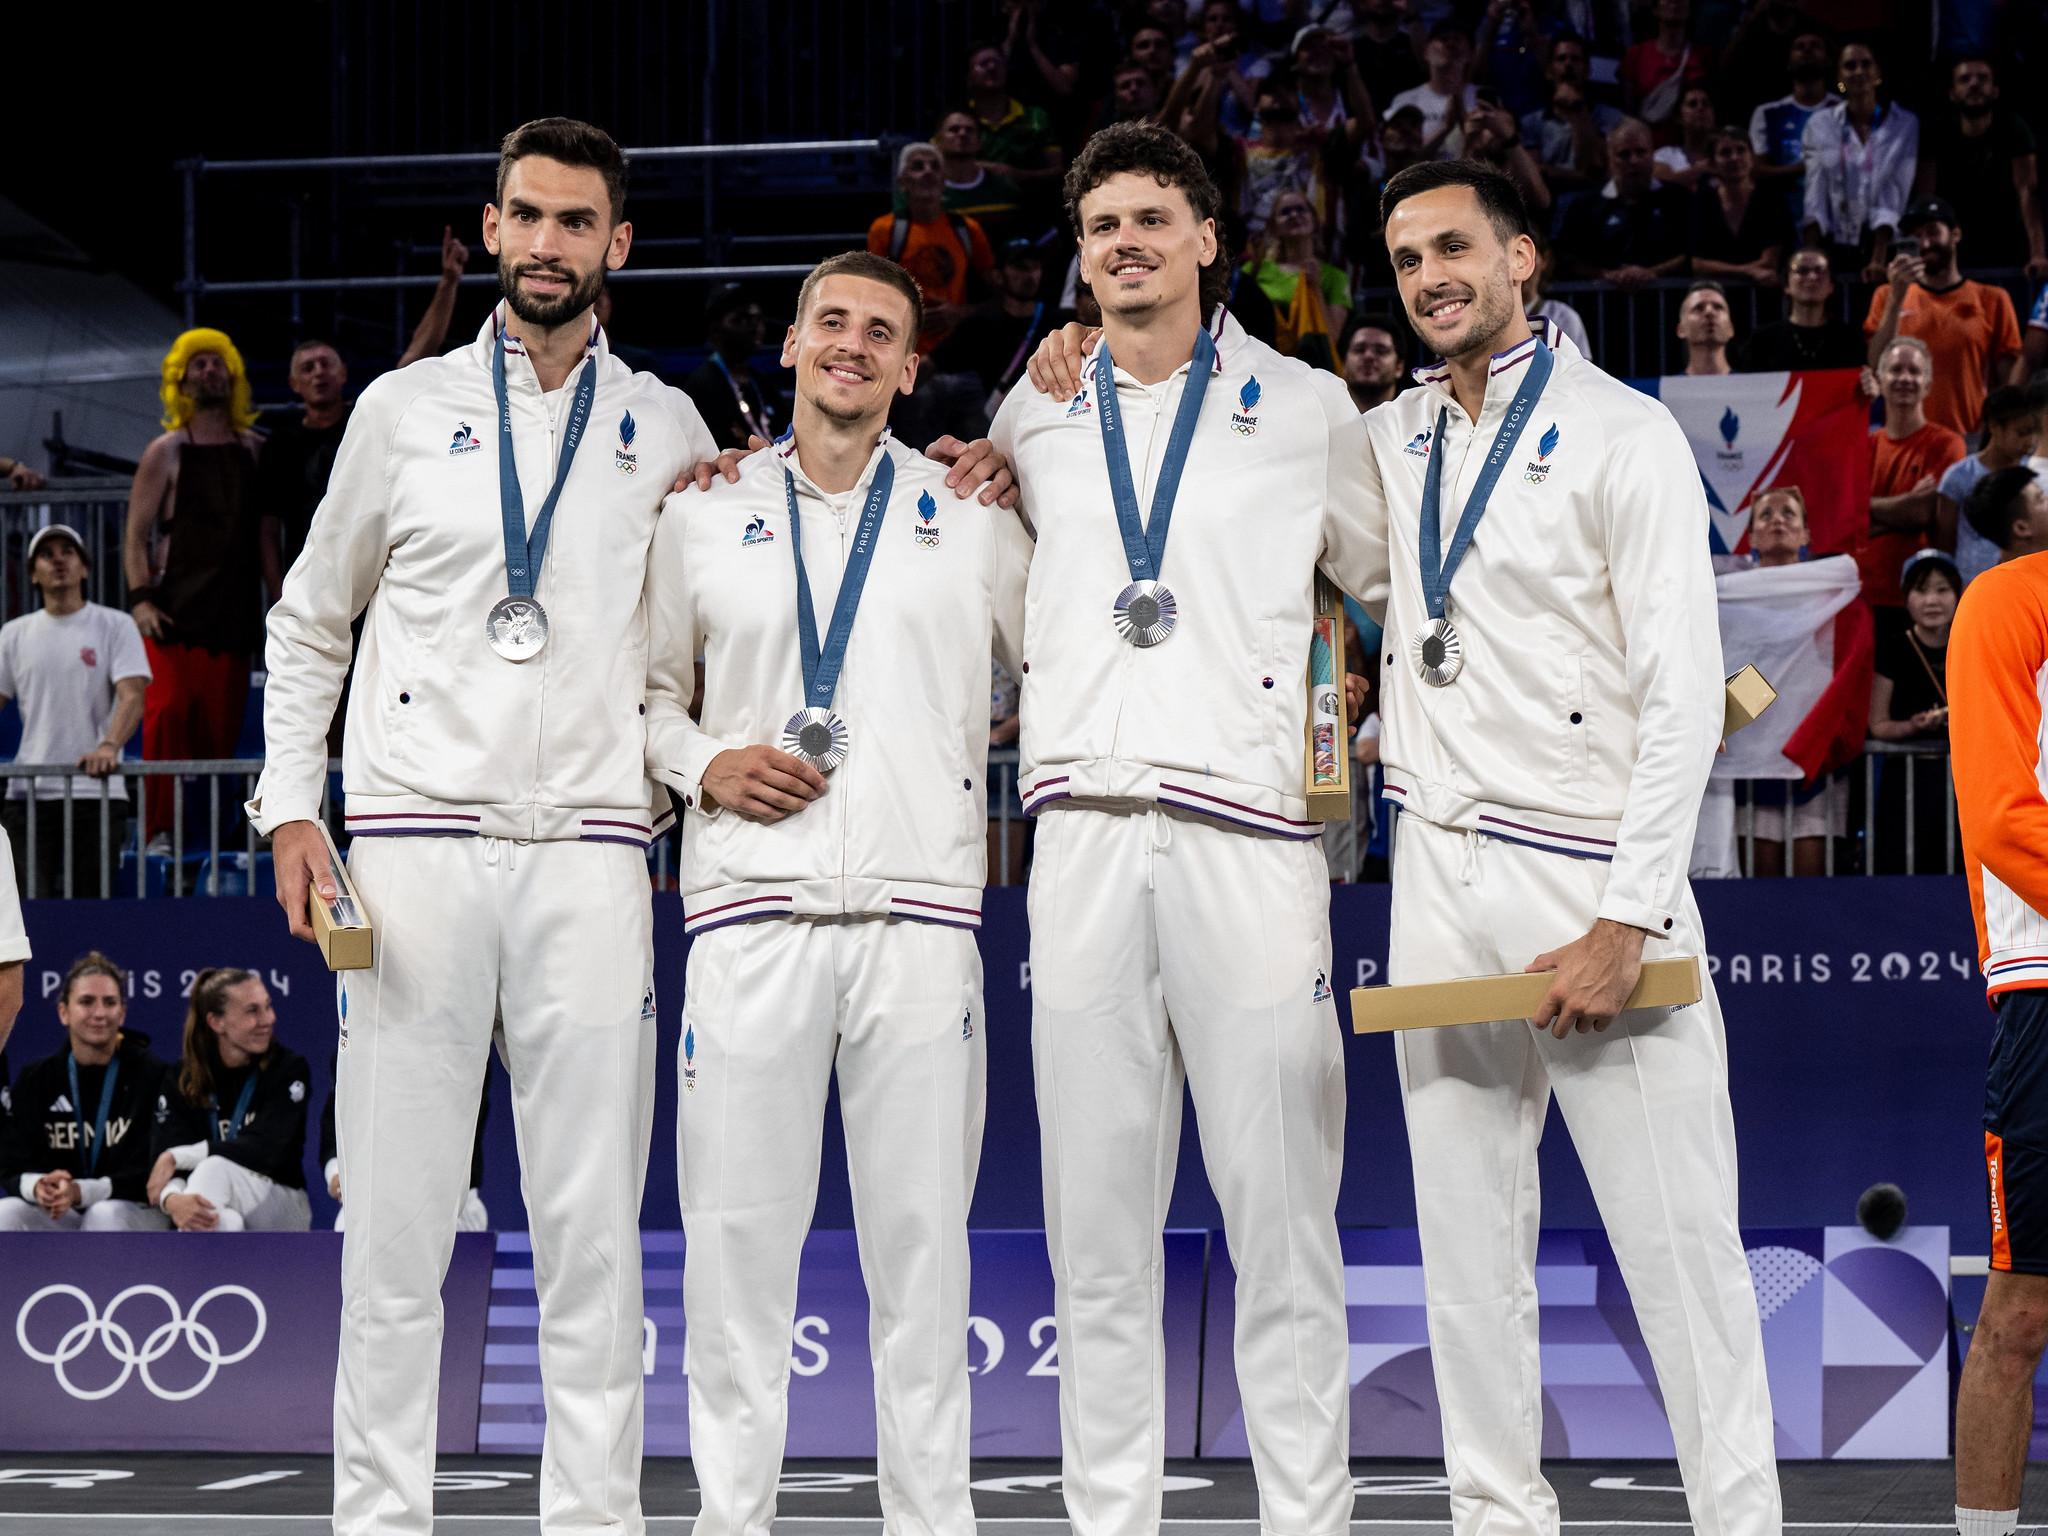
x=98 y=1137
x=1146 y=611
x=517 y=627
x=814 y=733
x=1438 y=652
x=233 y=1128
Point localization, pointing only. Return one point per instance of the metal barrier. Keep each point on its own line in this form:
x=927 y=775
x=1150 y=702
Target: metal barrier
x=229 y=860
x=234 y=866
x=1633 y=331
x=97 y=508
x=1857 y=787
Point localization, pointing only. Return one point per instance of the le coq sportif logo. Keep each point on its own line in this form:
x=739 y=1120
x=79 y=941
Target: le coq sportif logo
x=225 y=1326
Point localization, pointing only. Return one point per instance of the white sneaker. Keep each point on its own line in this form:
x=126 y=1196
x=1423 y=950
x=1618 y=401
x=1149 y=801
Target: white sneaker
x=159 y=846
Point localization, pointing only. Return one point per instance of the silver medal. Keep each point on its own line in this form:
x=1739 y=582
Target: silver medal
x=1145 y=613
x=818 y=736
x=1439 y=654
x=517 y=628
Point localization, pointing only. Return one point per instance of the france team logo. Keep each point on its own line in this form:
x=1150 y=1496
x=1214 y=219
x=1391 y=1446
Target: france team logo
x=1537 y=470
x=926 y=532
x=1242 y=421
x=624 y=459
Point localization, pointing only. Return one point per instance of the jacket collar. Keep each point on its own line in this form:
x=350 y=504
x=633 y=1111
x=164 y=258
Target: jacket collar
x=784 y=454
x=1224 y=330
x=518 y=371
x=1505 y=371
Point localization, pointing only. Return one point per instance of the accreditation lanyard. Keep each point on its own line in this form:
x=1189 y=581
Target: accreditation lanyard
x=99 y=1124
x=524 y=551
x=1145 y=543
x=1437 y=573
x=757 y=423
x=242 y=1102
x=821 y=664
x=1015 y=366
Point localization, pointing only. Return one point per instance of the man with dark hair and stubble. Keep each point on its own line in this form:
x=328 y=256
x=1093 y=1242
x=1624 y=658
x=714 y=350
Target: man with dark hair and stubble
x=1179 y=898
x=489 y=515
x=1533 y=524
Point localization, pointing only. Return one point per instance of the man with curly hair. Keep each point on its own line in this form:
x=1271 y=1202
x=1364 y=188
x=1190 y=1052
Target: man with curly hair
x=193 y=560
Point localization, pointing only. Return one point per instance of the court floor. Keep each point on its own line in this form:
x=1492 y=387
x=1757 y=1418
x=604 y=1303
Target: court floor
x=88 y=1495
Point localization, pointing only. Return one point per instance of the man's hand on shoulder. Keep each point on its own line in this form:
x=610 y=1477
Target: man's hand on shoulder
x=298 y=856
x=1594 y=976
x=1055 y=368
x=726 y=466
x=761 y=784
x=976 y=464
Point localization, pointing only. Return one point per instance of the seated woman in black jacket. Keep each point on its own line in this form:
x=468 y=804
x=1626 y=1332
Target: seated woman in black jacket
x=75 y=1154
x=231 y=1124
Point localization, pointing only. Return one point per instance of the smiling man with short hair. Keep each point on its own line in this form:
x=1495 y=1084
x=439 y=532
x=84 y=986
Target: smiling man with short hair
x=1552 y=700
x=1179 y=900
x=844 y=603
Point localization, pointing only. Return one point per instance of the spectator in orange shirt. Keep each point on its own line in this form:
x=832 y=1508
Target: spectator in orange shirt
x=1907 y=457
x=942 y=251
x=1969 y=327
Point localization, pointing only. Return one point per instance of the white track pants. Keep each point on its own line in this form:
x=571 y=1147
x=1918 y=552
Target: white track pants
x=556 y=939
x=1161 y=946
x=101 y=1216
x=1647 y=1105
x=249 y=1202
x=770 y=1008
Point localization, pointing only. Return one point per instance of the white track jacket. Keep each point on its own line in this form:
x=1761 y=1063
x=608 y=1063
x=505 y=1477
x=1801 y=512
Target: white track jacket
x=901 y=829
x=1590 y=705
x=1213 y=719
x=445 y=736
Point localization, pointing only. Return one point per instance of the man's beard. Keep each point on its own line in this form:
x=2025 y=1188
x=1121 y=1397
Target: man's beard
x=210 y=397
x=548 y=313
x=1491 y=308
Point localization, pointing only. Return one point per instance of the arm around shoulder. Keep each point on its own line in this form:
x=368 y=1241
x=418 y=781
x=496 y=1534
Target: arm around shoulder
x=678 y=749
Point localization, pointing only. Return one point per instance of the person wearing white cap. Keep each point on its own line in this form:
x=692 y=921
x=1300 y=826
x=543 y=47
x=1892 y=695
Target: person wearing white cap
x=80 y=671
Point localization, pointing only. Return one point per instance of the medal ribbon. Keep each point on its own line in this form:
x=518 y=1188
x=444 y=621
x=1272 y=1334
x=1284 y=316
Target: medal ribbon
x=524 y=551
x=242 y=1103
x=1436 y=575
x=821 y=664
x=99 y=1124
x=1145 y=544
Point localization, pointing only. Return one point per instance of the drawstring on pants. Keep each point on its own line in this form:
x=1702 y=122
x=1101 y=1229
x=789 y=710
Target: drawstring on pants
x=1161 y=838
x=1468 y=859
x=491 y=847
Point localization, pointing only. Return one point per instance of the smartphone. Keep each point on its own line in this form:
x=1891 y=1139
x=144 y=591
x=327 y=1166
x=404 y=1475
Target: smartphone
x=1907 y=246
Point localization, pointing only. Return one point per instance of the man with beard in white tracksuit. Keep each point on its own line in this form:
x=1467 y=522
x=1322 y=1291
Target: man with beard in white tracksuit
x=833 y=862
x=1179 y=901
x=1552 y=698
x=489 y=515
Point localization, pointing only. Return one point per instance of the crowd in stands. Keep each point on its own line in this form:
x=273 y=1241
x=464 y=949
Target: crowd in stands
x=1781 y=185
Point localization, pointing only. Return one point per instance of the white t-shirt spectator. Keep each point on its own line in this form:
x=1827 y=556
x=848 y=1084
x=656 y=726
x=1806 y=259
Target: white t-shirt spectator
x=62 y=671
x=1435 y=107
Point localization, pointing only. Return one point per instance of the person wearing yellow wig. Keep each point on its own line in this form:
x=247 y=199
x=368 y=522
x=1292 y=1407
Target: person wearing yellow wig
x=193 y=560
